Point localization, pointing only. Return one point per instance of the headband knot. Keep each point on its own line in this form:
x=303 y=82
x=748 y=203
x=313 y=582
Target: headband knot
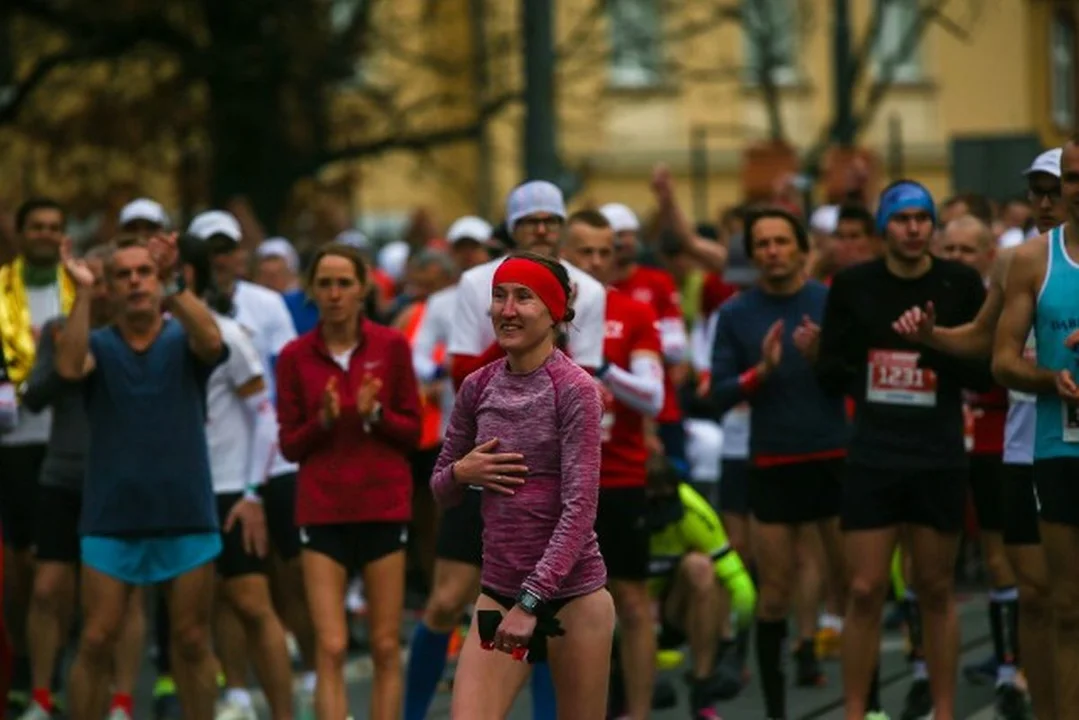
x=537 y=278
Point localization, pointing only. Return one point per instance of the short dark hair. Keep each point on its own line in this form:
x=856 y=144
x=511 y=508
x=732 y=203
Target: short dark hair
x=591 y=218
x=335 y=249
x=977 y=205
x=858 y=213
x=774 y=213
x=560 y=274
x=33 y=205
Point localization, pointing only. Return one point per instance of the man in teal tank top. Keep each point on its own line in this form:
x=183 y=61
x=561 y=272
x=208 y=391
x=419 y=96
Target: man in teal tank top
x=1042 y=294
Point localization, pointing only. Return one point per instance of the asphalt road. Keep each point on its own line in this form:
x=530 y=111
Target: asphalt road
x=804 y=704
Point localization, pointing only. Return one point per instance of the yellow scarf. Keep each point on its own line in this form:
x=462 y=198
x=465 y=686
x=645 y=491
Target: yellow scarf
x=16 y=326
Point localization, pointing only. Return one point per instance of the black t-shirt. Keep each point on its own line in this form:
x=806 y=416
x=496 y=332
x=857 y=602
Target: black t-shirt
x=908 y=398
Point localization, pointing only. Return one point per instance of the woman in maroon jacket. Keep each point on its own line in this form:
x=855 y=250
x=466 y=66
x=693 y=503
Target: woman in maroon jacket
x=349 y=413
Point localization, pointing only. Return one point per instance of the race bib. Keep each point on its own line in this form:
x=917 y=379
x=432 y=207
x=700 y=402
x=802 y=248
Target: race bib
x=1030 y=354
x=894 y=378
x=1069 y=417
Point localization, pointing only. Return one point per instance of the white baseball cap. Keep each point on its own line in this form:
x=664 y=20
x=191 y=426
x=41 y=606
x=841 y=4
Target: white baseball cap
x=353 y=238
x=825 y=219
x=144 y=209
x=535 y=196
x=470 y=227
x=1048 y=162
x=621 y=218
x=279 y=247
x=393 y=259
x=215 y=222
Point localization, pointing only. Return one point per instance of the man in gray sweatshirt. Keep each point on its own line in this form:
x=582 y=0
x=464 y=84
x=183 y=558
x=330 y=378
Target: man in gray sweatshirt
x=59 y=505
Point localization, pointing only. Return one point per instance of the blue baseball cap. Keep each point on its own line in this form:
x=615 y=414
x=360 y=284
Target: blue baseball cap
x=904 y=195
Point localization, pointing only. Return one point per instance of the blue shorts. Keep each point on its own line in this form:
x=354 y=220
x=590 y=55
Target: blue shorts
x=148 y=561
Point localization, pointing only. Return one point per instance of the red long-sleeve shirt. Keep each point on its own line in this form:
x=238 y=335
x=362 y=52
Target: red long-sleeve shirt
x=349 y=473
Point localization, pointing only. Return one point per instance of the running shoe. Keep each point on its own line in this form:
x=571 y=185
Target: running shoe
x=807 y=672
x=35 y=712
x=828 y=643
x=1011 y=704
x=919 y=702
x=233 y=711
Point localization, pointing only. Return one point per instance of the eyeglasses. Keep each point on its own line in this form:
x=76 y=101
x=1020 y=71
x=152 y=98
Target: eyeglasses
x=534 y=223
x=1037 y=195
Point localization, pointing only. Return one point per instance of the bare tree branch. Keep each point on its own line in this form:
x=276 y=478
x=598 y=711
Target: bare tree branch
x=151 y=27
x=420 y=139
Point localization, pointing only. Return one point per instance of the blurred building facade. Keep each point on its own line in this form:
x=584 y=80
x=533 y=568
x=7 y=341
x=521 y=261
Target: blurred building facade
x=645 y=81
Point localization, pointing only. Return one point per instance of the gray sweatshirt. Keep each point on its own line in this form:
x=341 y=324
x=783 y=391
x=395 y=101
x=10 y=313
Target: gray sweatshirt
x=65 y=458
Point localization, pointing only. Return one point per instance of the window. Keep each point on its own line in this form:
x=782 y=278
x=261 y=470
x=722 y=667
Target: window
x=896 y=57
x=342 y=14
x=635 y=43
x=769 y=32
x=1062 y=68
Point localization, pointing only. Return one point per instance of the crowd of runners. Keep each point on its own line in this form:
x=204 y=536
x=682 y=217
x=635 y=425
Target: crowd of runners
x=587 y=440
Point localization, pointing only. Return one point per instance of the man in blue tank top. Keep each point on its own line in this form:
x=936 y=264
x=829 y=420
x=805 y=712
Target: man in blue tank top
x=1041 y=294
x=149 y=514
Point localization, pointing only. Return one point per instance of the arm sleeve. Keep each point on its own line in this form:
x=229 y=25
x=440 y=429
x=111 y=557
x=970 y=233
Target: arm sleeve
x=727 y=366
x=44 y=383
x=460 y=439
x=424 y=343
x=263 y=424
x=580 y=411
x=701 y=340
x=672 y=327
x=640 y=387
x=298 y=434
x=401 y=415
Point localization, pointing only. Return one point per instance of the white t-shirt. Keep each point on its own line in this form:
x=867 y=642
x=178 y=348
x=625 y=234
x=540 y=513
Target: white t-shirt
x=228 y=426
x=473 y=331
x=33 y=428
x=265 y=317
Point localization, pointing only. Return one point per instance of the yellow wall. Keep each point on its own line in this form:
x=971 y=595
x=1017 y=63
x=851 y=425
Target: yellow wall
x=995 y=81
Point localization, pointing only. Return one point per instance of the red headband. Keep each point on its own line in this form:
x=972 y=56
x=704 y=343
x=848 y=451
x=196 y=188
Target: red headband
x=536 y=278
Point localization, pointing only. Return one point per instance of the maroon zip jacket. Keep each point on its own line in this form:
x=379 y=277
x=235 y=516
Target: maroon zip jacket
x=351 y=472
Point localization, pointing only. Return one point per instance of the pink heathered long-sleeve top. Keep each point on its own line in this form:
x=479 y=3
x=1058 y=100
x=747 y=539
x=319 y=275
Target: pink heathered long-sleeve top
x=542 y=538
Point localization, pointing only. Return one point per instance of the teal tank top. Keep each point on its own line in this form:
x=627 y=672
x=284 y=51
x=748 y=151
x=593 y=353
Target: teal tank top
x=1056 y=316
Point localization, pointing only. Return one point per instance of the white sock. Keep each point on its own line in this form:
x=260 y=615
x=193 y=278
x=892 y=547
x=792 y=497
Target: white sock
x=309 y=681
x=919 y=670
x=238 y=696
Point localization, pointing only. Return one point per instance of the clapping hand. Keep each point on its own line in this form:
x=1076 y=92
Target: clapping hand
x=367 y=395
x=917 y=324
x=806 y=338
x=331 y=404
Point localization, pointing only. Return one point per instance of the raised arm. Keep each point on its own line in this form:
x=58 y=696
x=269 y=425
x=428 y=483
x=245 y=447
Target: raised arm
x=712 y=255
x=581 y=412
x=1009 y=367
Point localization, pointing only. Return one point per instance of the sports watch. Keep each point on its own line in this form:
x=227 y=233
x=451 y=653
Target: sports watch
x=529 y=601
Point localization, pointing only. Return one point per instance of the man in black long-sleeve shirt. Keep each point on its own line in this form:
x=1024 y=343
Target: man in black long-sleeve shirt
x=906 y=461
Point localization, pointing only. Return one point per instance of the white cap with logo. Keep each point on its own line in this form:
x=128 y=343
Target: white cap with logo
x=469 y=227
x=279 y=247
x=215 y=222
x=621 y=218
x=534 y=196
x=353 y=238
x=1048 y=162
x=144 y=209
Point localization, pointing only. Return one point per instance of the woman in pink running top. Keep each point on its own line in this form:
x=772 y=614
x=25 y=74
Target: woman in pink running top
x=526 y=429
